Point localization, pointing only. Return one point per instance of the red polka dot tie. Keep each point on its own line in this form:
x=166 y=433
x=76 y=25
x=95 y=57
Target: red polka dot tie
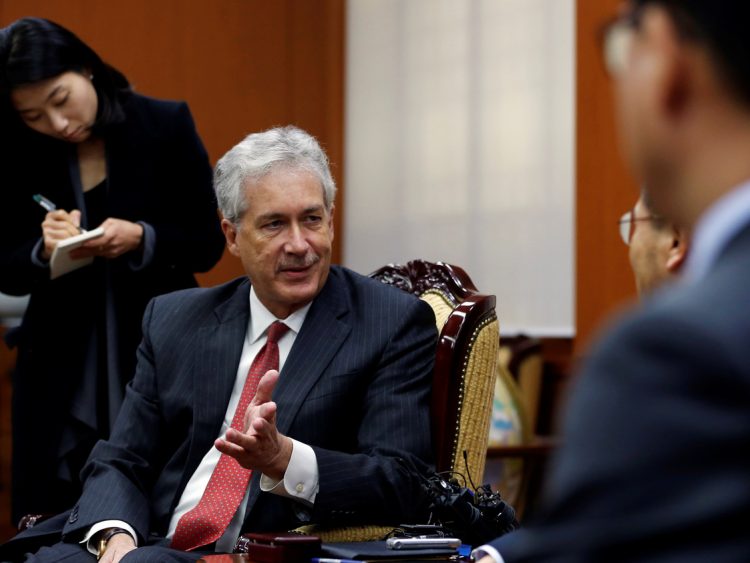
x=206 y=522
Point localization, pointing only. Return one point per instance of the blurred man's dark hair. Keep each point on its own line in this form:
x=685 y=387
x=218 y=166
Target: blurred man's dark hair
x=723 y=27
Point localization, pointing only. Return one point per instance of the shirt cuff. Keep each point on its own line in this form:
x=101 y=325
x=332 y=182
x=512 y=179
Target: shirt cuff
x=301 y=476
x=99 y=526
x=148 y=244
x=36 y=255
x=483 y=550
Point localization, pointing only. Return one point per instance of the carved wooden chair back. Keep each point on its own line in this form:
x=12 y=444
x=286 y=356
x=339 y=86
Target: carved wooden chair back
x=464 y=374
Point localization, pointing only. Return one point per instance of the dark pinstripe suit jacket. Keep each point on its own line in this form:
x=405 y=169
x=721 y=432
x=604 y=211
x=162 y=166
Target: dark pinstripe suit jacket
x=355 y=387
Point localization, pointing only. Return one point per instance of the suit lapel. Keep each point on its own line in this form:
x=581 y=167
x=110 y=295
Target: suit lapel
x=215 y=369
x=322 y=334
x=324 y=331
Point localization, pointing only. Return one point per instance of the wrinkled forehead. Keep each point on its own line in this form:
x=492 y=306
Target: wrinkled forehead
x=283 y=173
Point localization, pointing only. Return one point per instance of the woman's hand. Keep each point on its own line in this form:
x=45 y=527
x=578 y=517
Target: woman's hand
x=119 y=237
x=59 y=225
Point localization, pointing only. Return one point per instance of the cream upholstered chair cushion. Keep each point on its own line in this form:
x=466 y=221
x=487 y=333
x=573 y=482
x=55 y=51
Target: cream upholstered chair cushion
x=477 y=383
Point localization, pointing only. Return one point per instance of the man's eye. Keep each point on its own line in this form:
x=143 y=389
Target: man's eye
x=272 y=225
x=313 y=218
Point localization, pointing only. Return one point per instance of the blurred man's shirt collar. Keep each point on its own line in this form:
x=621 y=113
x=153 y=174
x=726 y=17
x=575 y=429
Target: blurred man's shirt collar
x=715 y=229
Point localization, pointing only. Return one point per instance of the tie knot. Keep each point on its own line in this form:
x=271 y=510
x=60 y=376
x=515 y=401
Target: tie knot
x=276 y=331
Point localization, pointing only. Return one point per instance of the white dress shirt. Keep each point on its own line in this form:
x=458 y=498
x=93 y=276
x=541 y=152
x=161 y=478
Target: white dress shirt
x=300 y=481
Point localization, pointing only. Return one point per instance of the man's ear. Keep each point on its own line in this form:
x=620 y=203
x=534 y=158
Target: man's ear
x=230 y=233
x=679 y=250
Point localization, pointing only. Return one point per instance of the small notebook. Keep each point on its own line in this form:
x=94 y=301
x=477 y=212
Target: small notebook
x=61 y=263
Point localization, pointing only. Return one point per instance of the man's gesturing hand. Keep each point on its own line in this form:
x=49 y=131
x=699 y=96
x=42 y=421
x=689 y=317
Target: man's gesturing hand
x=260 y=447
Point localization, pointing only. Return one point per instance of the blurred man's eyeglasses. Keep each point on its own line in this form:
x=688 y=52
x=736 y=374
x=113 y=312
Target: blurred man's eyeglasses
x=627 y=225
x=616 y=37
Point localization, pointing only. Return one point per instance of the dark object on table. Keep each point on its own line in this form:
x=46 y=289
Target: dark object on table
x=270 y=547
x=474 y=516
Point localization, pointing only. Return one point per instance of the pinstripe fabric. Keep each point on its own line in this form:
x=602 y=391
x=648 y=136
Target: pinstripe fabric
x=355 y=387
x=64 y=552
x=75 y=553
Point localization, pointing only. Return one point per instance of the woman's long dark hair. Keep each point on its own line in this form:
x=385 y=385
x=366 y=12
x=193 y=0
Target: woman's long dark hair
x=35 y=49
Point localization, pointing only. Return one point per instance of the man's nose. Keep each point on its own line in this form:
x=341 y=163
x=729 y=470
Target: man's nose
x=297 y=243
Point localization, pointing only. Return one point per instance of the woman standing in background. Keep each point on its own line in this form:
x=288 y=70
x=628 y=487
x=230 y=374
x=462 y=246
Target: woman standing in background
x=74 y=132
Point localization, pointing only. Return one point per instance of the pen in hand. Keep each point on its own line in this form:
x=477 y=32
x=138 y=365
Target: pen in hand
x=49 y=206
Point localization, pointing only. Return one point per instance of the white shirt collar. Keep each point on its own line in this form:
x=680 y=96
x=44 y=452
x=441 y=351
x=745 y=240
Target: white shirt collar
x=715 y=229
x=261 y=318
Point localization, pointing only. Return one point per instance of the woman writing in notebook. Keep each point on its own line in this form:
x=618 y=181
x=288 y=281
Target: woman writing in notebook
x=74 y=132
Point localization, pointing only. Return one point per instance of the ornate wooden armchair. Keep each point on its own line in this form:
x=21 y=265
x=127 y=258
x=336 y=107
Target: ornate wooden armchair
x=464 y=373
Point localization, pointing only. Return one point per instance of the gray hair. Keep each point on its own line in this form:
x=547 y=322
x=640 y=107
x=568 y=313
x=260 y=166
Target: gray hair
x=259 y=154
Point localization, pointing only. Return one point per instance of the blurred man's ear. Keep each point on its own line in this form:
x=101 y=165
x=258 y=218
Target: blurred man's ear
x=679 y=250
x=669 y=72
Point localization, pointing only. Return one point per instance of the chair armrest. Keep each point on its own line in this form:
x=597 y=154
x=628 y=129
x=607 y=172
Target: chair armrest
x=30 y=520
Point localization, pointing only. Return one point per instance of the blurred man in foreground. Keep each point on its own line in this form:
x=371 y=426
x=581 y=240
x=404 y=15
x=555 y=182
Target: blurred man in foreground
x=655 y=464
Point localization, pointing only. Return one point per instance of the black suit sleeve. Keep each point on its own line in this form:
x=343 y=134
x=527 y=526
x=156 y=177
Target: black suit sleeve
x=393 y=441
x=21 y=227
x=188 y=233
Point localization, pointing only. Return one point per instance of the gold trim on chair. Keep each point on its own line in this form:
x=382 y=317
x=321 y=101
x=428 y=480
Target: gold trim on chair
x=475 y=405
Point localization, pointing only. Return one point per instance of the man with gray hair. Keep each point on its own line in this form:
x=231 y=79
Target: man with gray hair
x=297 y=394
x=657 y=248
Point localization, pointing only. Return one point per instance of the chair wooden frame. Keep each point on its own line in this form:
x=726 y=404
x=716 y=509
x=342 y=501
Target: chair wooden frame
x=471 y=308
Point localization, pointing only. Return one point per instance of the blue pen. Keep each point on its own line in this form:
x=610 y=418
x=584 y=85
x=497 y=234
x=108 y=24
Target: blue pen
x=49 y=206
x=44 y=202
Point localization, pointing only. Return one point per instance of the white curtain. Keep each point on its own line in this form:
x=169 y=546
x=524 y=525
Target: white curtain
x=460 y=147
